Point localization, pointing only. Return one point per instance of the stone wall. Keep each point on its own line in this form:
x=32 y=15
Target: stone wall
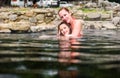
x=26 y=19
x=35 y=20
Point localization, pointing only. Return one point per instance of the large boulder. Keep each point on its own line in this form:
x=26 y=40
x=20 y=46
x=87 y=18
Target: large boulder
x=116 y=21
x=106 y=16
x=93 y=16
x=109 y=25
x=5 y=31
x=5 y=25
x=13 y=17
x=23 y=26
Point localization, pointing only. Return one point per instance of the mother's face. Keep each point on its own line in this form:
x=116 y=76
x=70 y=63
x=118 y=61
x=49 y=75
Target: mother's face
x=65 y=15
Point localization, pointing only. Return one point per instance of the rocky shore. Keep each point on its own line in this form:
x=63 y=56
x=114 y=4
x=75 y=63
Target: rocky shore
x=37 y=19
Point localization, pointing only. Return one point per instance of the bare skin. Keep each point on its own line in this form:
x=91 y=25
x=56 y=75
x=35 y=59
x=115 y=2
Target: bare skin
x=65 y=54
x=75 y=24
x=64 y=29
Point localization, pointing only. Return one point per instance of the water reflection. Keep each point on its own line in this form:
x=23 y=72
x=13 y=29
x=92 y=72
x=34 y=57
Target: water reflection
x=67 y=47
x=68 y=74
x=68 y=56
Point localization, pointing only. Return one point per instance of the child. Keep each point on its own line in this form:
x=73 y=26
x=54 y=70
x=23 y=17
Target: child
x=64 y=29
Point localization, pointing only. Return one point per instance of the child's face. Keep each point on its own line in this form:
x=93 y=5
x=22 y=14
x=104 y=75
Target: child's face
x=64 y=29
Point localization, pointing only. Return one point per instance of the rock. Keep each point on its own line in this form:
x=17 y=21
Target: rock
x=22 y=17
x=116 y=20
x=109 y=26
x=105 y=16
x=94 y=16
x=33 y=20
x=90 y=5
x=23 y=26
x=2 y=20
x=49 y=14
x=13 y=17
x=34 y=28
x=42 y=11
x=92 y=25
x=116 y=8
x=118 y=14
x=4 y=15
x=29 y=13
x=108 y=8
x=5 y=31
x=41 y=27
x=40 y=17
x=5 y=25
x=78 y=14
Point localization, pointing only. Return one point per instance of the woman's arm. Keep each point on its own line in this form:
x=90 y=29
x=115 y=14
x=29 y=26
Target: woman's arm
x=77 y=29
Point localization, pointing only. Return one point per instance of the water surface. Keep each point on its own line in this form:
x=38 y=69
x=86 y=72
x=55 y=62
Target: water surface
x=43 y=55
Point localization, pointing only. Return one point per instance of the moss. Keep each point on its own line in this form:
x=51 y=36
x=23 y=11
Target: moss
x=88 y=10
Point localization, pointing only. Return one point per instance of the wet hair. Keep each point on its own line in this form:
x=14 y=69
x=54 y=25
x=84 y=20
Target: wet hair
x=63 y=8
x=66 y=25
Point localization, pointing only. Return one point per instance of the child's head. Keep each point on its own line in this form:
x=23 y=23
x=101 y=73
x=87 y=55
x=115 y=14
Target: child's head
x=64 y=29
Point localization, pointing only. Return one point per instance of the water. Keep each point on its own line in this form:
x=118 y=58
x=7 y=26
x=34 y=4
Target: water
x=43 y=55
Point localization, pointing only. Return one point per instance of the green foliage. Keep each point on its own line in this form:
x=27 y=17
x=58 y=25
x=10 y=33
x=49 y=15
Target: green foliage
x=86 y=10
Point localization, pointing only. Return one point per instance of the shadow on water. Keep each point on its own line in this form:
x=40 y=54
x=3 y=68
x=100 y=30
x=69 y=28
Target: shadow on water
x=43 y=55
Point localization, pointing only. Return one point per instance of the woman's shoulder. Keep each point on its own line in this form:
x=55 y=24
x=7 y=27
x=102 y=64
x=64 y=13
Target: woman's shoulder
x=80 y=21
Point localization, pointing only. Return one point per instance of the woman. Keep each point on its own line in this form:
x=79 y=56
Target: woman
x=76 y=25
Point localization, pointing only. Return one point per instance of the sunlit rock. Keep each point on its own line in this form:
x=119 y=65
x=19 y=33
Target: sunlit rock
x=5 y=31
x=109 y=25
x=20 y=26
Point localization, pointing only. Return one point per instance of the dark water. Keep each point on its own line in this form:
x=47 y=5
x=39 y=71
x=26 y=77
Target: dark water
x=43 y=55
